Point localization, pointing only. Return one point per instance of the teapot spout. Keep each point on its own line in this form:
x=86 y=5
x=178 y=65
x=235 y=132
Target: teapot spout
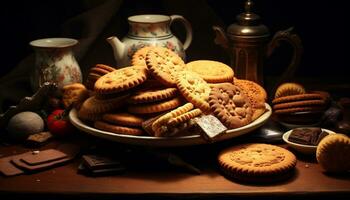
x=118 y=48
x=220 y=37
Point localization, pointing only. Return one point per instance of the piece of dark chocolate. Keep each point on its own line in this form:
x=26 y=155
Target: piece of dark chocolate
x=97 y=162
x=307 y=136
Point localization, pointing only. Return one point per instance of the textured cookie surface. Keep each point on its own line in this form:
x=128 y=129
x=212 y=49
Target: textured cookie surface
x=155 y=107
x=152 y=95
x=121 y=79
x=256 y=162
x=117 y=129
x=74 y=94
x=124 y=119
x=95 y=73
x=230 y=105
x=164 y=64
x=287 y=89
x=298 y=97
x=211 y=71
x=139 y=57
x=333 y=153
x=255 y=94
x=194 y=89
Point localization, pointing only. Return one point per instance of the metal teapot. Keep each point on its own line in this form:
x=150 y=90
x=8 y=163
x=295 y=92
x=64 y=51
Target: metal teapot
x=247 y=43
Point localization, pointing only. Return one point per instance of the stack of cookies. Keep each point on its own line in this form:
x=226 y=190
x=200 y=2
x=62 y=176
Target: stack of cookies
x=293 y=104
x=159 y=85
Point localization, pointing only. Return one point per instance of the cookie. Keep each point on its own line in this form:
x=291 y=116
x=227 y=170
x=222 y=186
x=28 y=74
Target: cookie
x=252 y=88
x=256 y=96
x=288 y=89
x=211 y=71
x=298 y=97
x=121 y=80
x=257 y=162
x=139 y=57
x=118 y=129
x=300 y=109
x=152 y=95
x=155 y=107
x=164 y=64
x=74 y=94
x=230 y=105
x=297 y=104
x=124 y=119
x=92 y=108
x=184 y=117
x=333 y=153
x=164 y=119
x=95 y=73
x=194 y=89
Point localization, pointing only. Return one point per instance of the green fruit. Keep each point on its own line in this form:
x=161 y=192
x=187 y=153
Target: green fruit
x=24 y=124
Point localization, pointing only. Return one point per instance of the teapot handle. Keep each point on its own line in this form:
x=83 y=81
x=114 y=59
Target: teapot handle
x=188 y=28
x=295 y=41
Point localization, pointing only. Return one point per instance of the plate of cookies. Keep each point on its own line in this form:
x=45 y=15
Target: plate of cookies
x=160 y=100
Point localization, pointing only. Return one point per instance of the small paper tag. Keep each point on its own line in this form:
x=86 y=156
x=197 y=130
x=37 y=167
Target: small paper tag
x=211 y=126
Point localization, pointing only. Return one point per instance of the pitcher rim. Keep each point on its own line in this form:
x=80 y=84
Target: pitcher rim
x=164 y=18
x=53 y=42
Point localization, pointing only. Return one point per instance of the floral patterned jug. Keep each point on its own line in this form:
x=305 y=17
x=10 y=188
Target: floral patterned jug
x=55 y=62
x=149 y=30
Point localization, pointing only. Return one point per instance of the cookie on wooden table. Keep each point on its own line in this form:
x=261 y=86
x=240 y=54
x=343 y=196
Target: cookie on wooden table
x=257 y=162
x=333 y=153
x=164 y=64
x=211 y=71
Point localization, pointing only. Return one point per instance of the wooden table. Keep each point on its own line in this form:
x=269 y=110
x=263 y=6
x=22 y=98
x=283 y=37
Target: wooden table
x=146 y=181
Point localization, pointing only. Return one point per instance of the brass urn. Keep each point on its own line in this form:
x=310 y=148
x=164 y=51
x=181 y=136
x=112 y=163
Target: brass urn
x=248 y=43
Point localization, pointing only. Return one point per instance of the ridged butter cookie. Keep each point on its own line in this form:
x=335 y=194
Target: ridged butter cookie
x=194 y=89
x=164 y=64
x=121 y=80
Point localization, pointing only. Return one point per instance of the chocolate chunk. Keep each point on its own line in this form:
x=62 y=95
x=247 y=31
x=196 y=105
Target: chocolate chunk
x=95 y=162
x=38 y=139
x=211 y=126
x=308 y=136
x=42 y=157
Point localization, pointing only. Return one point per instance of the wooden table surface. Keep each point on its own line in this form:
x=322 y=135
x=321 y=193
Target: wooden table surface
x=149 y=181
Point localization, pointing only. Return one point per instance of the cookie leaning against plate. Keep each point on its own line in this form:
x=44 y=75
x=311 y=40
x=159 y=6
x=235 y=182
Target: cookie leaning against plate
x=333 y=153
x=121 y=80
x=230 y=105
x=194 y=89
x=257 y=162
x=164 y=64
x=211 y=71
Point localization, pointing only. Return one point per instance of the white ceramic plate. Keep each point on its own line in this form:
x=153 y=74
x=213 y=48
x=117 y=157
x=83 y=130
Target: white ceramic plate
x=166 y=141
x=302 y=148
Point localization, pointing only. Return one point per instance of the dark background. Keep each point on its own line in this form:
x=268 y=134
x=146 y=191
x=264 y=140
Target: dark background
x=320 y=24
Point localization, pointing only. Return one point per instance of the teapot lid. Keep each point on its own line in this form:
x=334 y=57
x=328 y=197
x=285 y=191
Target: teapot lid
x=248 y=24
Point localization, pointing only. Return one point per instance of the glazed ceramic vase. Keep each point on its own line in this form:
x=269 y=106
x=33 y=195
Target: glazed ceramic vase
x=150 y=30
x=55 y=62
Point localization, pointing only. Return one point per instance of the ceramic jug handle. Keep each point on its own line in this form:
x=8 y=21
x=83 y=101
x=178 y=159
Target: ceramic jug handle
x=188 y=28
x=295 y=41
